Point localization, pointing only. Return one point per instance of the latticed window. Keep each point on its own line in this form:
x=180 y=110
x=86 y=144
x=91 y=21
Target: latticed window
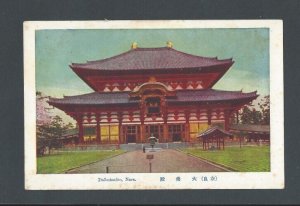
x=155 y=130
x=89 y=134
x=153 y=106
x=131 y=129
x=175 y=128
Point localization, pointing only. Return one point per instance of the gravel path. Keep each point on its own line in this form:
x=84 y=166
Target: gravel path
x=167 y=160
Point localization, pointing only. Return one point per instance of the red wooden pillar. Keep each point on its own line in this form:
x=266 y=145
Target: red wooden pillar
x=165 y=126
x=209 y=116
x=142 y=128
x=165 y=119
x=98 y=135
x=80 y=129
x=187 y=126
x=187 y=132
x=142 y=133
x=142 y=118
x=121 y=141
x=166 y=132
x=109 y=121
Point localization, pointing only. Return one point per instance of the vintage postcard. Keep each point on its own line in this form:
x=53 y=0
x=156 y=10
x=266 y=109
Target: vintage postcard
x=153 y=105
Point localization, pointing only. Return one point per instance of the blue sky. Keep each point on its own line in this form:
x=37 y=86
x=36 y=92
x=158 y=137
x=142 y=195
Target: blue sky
x=56 y=49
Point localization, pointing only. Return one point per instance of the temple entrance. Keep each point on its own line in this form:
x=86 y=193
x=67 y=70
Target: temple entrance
x=176 y=132
x=155 y=130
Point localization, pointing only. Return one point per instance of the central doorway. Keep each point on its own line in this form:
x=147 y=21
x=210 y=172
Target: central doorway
x=176 y=132
x=155 y=130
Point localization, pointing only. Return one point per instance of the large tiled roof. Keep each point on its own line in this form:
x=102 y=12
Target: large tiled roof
x=214 y=131
x=211 y=95
x=95 y=98
x=113 y=98
x=152 y=58
x=251 y=128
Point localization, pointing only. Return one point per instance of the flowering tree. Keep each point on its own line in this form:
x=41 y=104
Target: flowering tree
x=43 y=112
x=50 y=128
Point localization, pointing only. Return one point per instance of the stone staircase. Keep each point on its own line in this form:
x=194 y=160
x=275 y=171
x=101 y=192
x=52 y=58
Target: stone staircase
x=139 y=146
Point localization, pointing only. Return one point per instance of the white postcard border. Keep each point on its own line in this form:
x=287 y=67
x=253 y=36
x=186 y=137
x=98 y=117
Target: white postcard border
x=225 y=180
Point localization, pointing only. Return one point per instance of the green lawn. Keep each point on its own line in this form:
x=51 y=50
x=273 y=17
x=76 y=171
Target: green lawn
x=245 y=159
x=59 y=163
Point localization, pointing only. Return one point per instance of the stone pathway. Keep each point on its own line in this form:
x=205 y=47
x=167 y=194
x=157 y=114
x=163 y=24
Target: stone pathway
x=166 y=160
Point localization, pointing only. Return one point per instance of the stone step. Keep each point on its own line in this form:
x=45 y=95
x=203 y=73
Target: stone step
x=139 y=146
x=153 y=149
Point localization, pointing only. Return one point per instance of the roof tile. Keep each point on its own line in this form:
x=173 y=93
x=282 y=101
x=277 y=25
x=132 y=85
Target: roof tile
x=112 y=98
x=152 y=58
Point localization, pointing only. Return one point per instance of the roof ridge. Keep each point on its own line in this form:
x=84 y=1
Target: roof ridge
x=213 y=129
x=238 y=91
x=122 y=54
x=94 y=93
x=151 y=48
x=109 y=58
x=67 y=96
x=204 y=57
x=217 y=90
x=215 y=59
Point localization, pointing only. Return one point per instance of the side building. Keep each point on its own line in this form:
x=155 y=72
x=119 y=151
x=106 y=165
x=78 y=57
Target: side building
x=151 y=91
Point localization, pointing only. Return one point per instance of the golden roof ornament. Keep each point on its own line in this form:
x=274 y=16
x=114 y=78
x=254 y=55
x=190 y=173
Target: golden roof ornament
x=169 y=44
x=152 y=79
x=134 y=45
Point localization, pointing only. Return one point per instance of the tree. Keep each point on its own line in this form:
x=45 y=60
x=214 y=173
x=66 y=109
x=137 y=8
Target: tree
x=43 y=111
x=50 y=129
x=252 y=115
x=49 y=135
x=246 y=115
x=69 y=125
x=265 y=109
x=256 y=116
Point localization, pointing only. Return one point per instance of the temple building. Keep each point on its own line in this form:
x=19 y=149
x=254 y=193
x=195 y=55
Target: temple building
x=151 y=91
